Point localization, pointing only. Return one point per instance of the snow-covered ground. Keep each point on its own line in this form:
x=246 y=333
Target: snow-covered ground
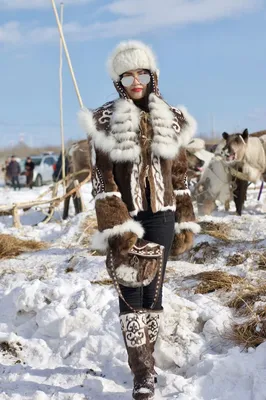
x=60 y=337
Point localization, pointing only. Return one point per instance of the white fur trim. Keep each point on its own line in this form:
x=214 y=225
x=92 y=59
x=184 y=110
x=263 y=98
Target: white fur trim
x=128 y=56
x=124 y=128
x=134 y=213
x=166 y=141
x=99 y=240
x=191 y=127
x=103 y=195
x=182 y=192
x=122 y=142
x=168 y=208
x=191 y=226
x=127 y=273
x=168 y=134
x=100 y=139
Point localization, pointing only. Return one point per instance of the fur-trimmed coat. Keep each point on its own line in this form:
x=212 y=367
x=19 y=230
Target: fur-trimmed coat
x=130 y=146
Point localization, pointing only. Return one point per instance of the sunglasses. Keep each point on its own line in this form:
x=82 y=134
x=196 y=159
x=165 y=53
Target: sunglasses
x=127 y=81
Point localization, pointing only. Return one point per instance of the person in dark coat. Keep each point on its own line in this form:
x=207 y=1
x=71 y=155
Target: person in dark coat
x=29 y=167
x=13 y=170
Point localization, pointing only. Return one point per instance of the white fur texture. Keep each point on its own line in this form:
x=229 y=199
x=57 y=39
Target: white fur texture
x=99 y=240
x=182 y=192
x=126 y=273
x=128 y=56
x=100 y=139
x=191 y=226
x=123 y=145
x=103 y=195
x=168 y=135
x=124 y=128
x=166 y=141
x=191 y=128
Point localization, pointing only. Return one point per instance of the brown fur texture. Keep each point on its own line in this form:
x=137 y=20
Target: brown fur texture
x=110 y=211
x=184 y=209
x=123 y=243
x=182 y=242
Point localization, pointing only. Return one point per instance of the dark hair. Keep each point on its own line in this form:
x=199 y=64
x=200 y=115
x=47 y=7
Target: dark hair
x=143 y=103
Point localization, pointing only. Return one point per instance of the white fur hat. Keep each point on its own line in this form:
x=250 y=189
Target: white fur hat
x=130 y=55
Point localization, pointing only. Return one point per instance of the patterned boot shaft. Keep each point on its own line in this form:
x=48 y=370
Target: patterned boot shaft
x=140 y=358
x=153 y=325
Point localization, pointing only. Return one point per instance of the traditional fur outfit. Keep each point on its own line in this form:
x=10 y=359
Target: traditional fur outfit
x=131 y=149
x=129 y=146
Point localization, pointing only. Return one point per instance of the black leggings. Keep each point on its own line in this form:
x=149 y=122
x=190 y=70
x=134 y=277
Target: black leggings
x=159 y=228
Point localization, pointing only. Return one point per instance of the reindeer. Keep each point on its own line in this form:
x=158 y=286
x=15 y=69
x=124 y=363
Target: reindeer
x=246 y=153
x=220 y=181
x=79 y=157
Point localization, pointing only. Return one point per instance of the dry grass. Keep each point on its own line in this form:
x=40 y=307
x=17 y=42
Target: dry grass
x=214 y=280
x=104 y=282
x=88 y=227
x=235 y=259
x=246 y=298
x=10 y=246
x=262 y=261
x=258 y=257
x=252 y=332
x=218 y=230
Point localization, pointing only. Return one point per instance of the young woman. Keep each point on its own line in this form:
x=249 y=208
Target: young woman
x=140 y=190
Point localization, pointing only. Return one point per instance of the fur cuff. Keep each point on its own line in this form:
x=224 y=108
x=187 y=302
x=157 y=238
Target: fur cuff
x=182 y=192
x=103 y=195
x=190 y=226
x=99 y=240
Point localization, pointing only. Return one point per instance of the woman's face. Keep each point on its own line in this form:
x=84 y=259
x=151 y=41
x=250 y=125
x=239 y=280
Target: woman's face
x=135 y=83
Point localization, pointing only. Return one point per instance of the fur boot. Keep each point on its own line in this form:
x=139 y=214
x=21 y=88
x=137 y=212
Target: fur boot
x=153 y=325
x=140 y=358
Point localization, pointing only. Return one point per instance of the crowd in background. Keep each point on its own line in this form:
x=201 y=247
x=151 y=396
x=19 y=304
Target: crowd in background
x=12 y=170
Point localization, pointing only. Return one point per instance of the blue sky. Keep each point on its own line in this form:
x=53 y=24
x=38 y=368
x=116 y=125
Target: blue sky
x=211 y=55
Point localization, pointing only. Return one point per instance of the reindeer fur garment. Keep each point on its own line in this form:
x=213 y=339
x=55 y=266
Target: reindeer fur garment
x=132 y=147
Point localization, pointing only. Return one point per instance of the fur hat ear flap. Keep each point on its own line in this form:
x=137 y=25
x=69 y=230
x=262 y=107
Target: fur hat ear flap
x=131 y=55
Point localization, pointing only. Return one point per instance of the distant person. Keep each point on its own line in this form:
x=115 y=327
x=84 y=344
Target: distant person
x=58 y=175
x=13 y=171
x=5 y=171
x=29 y=167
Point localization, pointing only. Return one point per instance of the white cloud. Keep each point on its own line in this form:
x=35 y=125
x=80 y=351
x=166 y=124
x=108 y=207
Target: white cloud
x=35 y=4
x=10 y=33
x=132 y=17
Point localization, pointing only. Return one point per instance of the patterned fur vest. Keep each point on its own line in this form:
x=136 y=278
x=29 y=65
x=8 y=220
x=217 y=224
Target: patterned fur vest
x=129 y=147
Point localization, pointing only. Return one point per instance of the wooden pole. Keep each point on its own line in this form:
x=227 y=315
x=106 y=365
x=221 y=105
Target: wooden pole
x=67 y=53
x=61 y=100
